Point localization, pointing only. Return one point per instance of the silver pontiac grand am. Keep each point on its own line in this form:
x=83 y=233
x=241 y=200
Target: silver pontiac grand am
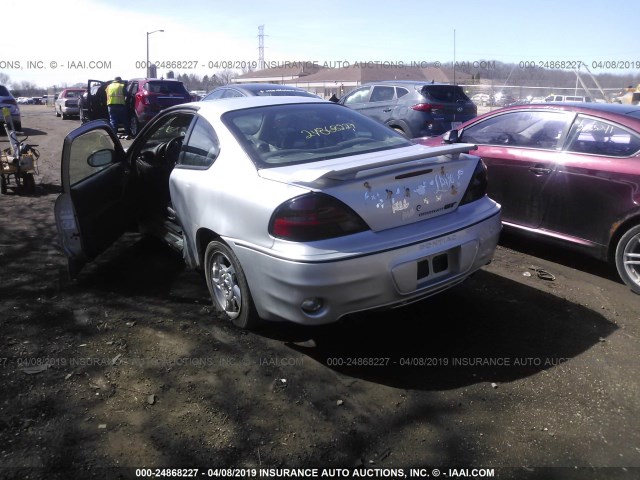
x=296 y=208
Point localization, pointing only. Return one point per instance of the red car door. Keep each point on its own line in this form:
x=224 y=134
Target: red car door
x=520 y=150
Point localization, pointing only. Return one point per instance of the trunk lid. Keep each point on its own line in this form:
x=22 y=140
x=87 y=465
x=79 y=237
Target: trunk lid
x=391 y=188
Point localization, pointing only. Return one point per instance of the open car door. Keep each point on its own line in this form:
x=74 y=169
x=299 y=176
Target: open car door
x=97 y=100
x=94 y=208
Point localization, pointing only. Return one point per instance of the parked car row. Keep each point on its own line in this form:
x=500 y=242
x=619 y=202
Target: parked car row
x=29 y=100
x=567 y=173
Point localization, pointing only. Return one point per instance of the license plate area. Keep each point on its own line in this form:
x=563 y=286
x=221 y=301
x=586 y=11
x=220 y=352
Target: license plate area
x=421 y=271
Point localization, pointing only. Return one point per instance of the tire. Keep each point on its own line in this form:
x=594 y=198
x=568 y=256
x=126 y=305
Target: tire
x=65 y=116
x=400 y=131
x=17 y=126
x=58 y=113
x=3 y=185
x=228 y=286
x=628 y=250
x=81 y=115
x=29 y=183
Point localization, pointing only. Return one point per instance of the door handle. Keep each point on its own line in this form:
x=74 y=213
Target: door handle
x=540 y=170
x=386 y=110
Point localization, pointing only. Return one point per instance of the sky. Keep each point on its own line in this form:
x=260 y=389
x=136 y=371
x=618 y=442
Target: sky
x=69 y=41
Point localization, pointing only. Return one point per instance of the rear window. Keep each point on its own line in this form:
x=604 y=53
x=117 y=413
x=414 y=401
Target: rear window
x=73 y=93
x=4 y=92
x=165 y=87
x=444 y=93
x=283 y=92
x=282 y=135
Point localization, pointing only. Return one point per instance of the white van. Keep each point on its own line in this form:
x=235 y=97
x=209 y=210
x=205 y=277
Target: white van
x=566 y=98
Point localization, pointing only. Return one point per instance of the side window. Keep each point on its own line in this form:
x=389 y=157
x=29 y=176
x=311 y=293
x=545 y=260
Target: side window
x=359 y=96
x=401 y=92
x=231 y=93
x=382 y=94
x=202 y=147
x=215 y=95
x=589 y=135
x=86 y=147
x=543 y=130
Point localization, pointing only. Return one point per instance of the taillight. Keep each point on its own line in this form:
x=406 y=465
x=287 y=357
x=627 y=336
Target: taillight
x=477 y=188
x=426 y=107
x=314 y=216
x=10 y=101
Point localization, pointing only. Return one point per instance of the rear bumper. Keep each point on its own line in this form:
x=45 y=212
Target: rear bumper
x=375 y=280
x=70 y=110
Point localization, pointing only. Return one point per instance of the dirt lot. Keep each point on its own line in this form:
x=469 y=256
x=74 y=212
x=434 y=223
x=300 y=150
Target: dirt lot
x=128 y=368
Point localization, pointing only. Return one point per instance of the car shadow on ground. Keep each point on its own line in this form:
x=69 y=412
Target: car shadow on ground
x=26 y=131
x=41 y=190
x=488 y=329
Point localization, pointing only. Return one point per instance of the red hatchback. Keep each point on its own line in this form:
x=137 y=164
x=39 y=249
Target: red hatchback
x=569 y=173
x=147 y=96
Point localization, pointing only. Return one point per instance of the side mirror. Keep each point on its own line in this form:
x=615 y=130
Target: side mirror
x=101 y=158
x=451 y=137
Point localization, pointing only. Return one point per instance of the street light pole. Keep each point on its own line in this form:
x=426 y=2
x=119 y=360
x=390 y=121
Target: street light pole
x=149 y=33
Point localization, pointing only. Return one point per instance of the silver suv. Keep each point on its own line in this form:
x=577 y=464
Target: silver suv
x=413 y=108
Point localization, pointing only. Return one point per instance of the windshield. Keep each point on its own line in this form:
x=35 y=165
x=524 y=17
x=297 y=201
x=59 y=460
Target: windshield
x=279 y=135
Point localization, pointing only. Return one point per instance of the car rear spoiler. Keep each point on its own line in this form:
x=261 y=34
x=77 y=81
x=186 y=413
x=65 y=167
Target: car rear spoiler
x=313 y=177
x=357 y=171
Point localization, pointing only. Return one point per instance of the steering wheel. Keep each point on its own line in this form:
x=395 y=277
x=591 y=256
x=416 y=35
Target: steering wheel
x=168 y=152
x=504 y=139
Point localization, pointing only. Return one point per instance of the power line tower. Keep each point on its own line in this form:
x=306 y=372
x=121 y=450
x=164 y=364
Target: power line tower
x=261 y=47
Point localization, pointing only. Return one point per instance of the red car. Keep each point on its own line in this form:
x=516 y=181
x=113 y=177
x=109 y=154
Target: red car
x=147 y=96
x=569 y=173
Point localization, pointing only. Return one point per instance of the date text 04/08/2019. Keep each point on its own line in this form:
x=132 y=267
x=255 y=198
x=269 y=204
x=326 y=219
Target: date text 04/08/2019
x=273 y=472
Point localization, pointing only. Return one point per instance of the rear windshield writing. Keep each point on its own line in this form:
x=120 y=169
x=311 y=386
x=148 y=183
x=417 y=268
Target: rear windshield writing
x=280 y=135
x=328 y=130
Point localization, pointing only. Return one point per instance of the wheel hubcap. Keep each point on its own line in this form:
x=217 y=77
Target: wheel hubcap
x=225 y=286
x=631 y=259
